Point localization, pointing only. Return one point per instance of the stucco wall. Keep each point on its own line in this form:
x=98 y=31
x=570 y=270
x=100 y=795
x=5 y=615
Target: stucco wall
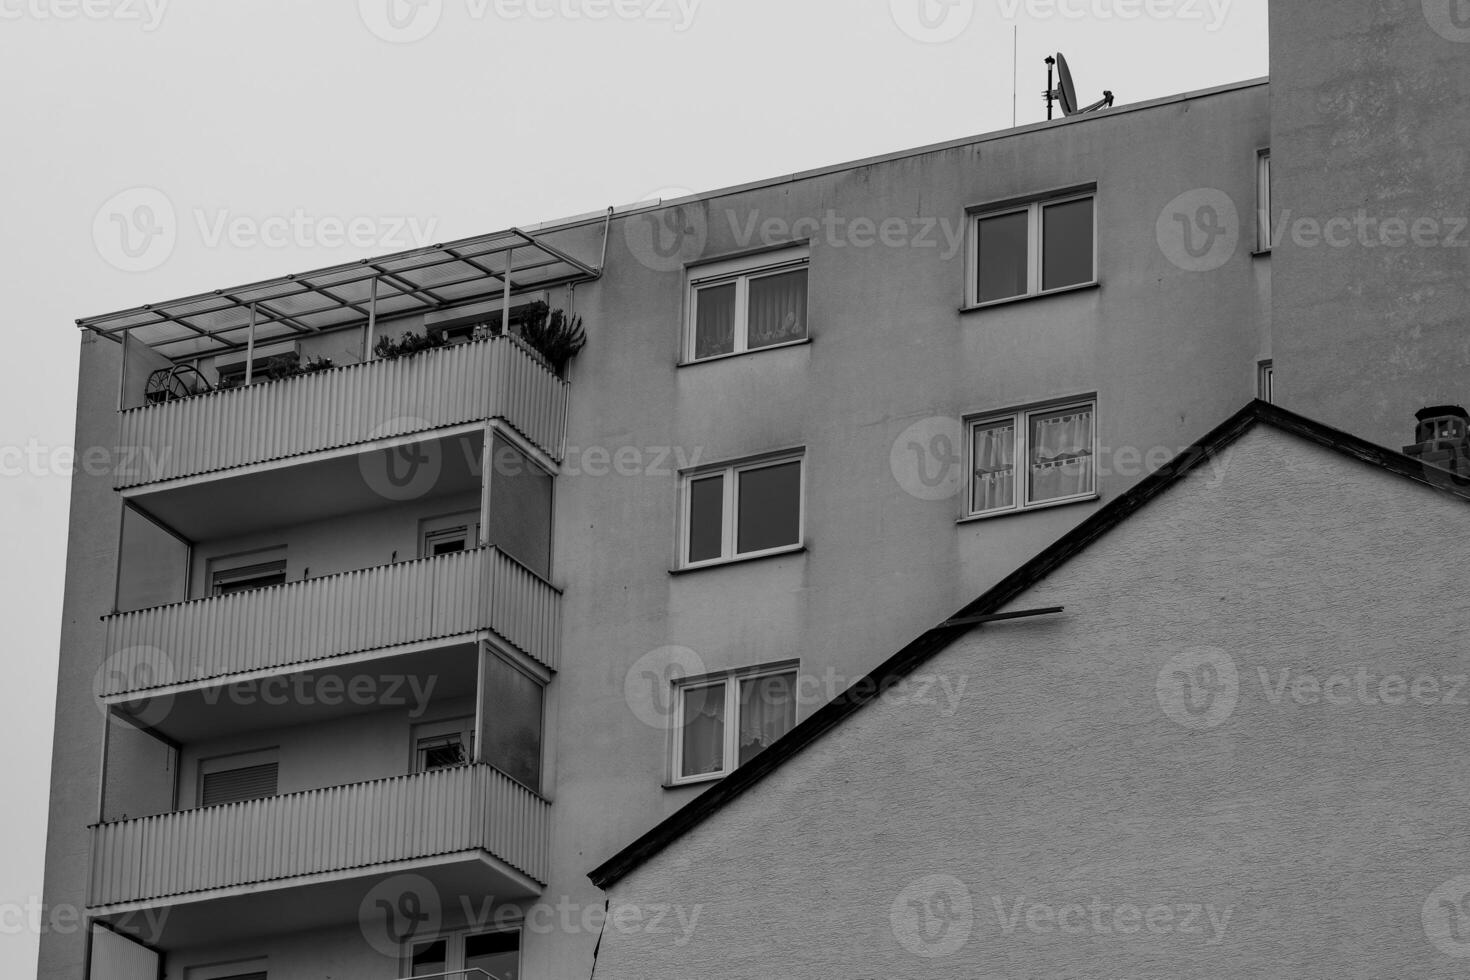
x=1313 y=827
x=1368 y=118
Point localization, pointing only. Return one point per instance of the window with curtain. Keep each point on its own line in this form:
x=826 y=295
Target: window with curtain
x=745 y=305
x=727 y=722
x=743 y=509
x=1032 y=248
x=1032 y=458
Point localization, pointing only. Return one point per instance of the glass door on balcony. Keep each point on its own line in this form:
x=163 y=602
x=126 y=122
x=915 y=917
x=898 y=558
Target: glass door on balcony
x=468 y=956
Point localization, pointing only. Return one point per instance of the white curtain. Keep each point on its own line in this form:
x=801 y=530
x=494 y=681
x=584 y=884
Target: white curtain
x=994 y=458
x=777 y=309
x=1061 y=455
x=704 y=730
x=714 y=321
x=767 y=711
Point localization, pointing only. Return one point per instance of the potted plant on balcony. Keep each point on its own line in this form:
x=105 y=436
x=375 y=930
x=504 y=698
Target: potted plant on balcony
x=555 y=336
x=407 y=345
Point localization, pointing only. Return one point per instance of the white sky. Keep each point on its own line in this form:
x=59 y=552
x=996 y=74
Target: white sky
x=269 y=108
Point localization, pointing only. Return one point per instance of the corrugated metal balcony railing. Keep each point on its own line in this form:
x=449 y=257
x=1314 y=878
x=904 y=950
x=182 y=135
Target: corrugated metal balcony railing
x=425 y=815
x=495 y=378
x=354 y=612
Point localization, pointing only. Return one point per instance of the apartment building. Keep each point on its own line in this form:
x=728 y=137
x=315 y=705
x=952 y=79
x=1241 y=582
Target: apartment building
x=366 y=666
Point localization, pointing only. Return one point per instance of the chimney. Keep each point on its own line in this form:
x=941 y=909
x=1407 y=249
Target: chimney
x=1444 y=438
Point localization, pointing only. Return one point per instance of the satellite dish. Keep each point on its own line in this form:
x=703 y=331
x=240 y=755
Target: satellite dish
x=1065 y=91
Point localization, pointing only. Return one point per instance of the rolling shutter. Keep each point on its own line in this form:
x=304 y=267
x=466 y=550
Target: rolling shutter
x=234 y=785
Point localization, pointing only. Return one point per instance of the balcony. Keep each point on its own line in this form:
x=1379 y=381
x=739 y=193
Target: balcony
x=311 y=856
x=495 y=378
x=373 y=609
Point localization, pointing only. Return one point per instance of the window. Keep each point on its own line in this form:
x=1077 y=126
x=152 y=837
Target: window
x=1265 y=382
x=255 y=570
x=1032 y=458
x=1264 y=223
x=1034 y=248
x=235 y=778
x=742 y=510
x=441 y=744
x=743 y=305
x=725 y=722
x=495 y=954
x=448 y=535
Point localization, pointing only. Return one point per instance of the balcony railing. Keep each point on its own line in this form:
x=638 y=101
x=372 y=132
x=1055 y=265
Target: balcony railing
x=426 y=815
x=354 y=612
x=495 y=378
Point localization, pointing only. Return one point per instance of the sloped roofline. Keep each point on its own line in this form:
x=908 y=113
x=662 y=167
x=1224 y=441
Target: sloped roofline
x=921 y=649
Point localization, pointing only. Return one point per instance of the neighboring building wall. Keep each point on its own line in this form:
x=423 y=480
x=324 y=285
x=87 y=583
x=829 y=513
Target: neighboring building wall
x=1368 y=118
x=1322 y=830
x=1170 y=354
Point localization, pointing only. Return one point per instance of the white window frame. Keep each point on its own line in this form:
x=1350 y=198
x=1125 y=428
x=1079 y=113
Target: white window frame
x=1035 y=247
x=250 y=759
x=732 y=681
x=447 y=526
x=454 y=949
x=740 y=271
x=246 y=566
x=463 y=727
x=1021 y=419
x=1265 y=227
x=1266 y=380
x=730 y=508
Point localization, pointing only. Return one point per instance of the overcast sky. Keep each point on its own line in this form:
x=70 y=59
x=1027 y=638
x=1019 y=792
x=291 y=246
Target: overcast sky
x=223 y=123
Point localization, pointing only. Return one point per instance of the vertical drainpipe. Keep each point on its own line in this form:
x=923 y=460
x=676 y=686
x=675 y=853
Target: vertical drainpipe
x=369 y=340
x=250 y=348
x=510 y=254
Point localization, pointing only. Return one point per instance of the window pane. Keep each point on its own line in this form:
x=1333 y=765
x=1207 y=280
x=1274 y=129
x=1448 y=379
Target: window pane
x=767 y=711
x=770 y=507
x=513 y=722
x=993 y=453
x=704 y=730
x=777 y=309
x=1061 y=454
x=497 y=953
x=428 y=958
x=706 y=518
x=714 y=321
x=1002 y=254
x=1066 y=241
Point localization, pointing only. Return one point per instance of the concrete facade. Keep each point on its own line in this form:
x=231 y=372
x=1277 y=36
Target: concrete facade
x=1181 y=775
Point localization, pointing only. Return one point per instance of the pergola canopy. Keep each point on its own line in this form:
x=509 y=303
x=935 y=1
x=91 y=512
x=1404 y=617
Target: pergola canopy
x=417 y=281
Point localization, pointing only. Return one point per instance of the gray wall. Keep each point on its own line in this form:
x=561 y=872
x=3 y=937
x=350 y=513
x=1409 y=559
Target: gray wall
x=1369 y=333
x=1059 y=778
